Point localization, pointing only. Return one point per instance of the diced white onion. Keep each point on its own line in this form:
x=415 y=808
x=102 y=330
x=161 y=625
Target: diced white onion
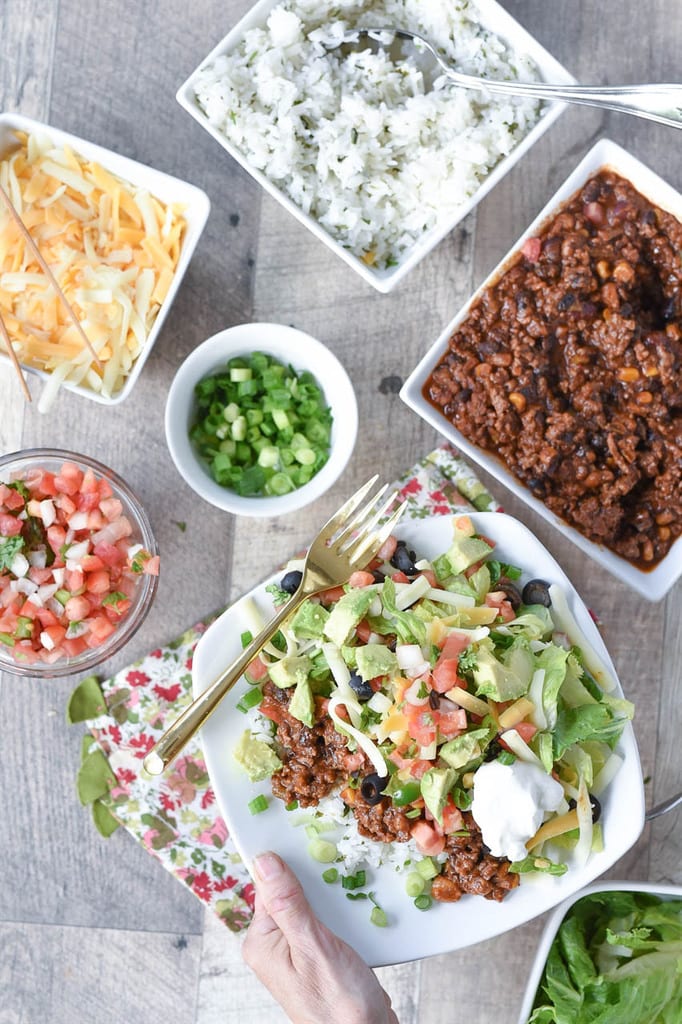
x=48 y=512
x=411 y=659
x=380 y=703
x=24 y=586
x=422 y=564
x=76 y=552
x=38 y=558
x=55 y=607
x=133 y=550
x=47 y=590
x=19 y=566
x=47 y=641
x=429 y=752
x=58 y=575
x=78 y=521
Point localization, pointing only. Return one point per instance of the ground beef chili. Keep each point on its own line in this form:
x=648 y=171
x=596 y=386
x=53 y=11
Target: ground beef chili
x=567 y=368
x=316 y=761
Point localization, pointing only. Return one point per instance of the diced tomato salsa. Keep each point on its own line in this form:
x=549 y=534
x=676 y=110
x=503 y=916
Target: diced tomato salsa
x=69 y=564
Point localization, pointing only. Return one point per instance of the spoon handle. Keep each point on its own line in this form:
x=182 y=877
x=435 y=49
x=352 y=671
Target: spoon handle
x=664 y=807
x=660 y=103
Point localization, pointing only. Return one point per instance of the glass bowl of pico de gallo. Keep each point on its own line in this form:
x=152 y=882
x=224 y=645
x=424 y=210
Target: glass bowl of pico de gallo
x=78 y=563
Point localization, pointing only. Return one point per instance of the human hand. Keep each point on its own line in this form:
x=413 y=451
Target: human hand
x=314 y=976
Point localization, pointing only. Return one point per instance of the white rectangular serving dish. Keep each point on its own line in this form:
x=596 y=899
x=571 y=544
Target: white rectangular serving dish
x=163 y=186
x=666 y=892
x=652 y=585
x=493 y=17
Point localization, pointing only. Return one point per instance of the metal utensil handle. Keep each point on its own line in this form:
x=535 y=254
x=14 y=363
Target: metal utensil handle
x=660 y=103
x=664 y=807
x=184 y=727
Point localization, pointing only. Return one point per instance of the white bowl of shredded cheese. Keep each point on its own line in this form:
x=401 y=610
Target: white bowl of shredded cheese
x=118 y=237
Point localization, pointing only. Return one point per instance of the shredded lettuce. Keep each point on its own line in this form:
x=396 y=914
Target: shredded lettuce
x=617 y=959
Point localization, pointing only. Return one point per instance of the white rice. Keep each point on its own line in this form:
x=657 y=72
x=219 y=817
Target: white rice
x=354 y=139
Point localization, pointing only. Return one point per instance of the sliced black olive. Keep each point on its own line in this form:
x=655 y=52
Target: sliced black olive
x=537 y=592
x=511 y=591
x=371 y=788
x=434 y=700
x=291 y=581
x=594 y=804
x=379 y=576
x=403 y=560
x=363 y=690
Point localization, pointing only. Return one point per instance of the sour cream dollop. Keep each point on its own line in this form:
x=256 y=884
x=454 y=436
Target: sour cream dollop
x=509 y=805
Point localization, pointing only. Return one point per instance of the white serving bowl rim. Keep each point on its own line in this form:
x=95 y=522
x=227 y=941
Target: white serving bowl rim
x=289 y=345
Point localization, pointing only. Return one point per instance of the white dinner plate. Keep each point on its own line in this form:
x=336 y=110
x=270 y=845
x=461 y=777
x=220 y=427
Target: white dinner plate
x=411 y=933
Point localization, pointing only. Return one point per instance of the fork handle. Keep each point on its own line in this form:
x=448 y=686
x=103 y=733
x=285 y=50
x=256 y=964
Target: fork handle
x=194 y=716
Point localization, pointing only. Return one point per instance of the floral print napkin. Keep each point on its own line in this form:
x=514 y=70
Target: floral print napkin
x=175 y=816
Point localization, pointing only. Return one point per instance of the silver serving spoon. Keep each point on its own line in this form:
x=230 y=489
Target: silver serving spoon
x=661 y=103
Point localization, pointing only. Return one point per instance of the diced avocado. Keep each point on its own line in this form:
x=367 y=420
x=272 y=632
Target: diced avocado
x=309 y=621
x=493 y=679
x=346 y=614
x=257 y=758
x=463 y=749
x=290 y=671
x=436 y=783
x=375 y=660
x=465 y=550
x=480 y=582
x=302 y=705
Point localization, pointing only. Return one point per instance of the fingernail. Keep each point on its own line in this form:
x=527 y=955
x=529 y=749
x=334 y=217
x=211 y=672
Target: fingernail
x=268 y=866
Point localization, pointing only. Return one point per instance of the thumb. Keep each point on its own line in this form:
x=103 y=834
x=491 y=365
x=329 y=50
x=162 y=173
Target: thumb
x=282 y=896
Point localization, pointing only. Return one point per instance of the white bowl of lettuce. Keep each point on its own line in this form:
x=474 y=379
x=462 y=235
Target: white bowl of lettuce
x=611 y=954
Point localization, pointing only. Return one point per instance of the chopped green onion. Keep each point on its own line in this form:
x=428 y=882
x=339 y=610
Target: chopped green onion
x=378 y=917
x=322 y=851
x=258 y=804
x=426 y=868
x=414 y=884
x=330 y=876
x=261 y=427
x=353 y=881
x=249 y=700
x=423 y=902
x=291 y=806
x=246 y=638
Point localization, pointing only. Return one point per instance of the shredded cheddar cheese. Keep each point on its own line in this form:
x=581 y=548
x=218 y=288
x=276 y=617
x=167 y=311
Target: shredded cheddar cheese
x=112 y=247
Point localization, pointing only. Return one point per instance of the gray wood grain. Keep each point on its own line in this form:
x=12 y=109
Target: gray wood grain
x=97 y=930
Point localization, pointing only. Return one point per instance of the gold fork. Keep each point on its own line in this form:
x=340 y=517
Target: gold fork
x=348 y=541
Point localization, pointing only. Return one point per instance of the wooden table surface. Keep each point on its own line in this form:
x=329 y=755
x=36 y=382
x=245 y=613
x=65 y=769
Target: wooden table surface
x=95 y=930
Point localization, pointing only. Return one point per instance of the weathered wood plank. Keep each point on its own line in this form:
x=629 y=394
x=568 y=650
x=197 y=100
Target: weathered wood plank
x=95 y=974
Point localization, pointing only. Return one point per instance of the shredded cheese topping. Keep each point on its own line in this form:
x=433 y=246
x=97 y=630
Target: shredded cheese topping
x=112 y=247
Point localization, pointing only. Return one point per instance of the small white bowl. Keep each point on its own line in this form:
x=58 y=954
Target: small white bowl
x=493 y=17
x=196 y=208
x=288 y=345
x=666 y=892
x=653 y=584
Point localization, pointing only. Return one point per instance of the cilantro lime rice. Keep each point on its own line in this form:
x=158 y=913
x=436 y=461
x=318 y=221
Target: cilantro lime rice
x=359 y=142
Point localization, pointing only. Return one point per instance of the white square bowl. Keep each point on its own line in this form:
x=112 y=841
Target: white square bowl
x=494 y=18
x=665 y=892
x=655 y=583
x=163 y=186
